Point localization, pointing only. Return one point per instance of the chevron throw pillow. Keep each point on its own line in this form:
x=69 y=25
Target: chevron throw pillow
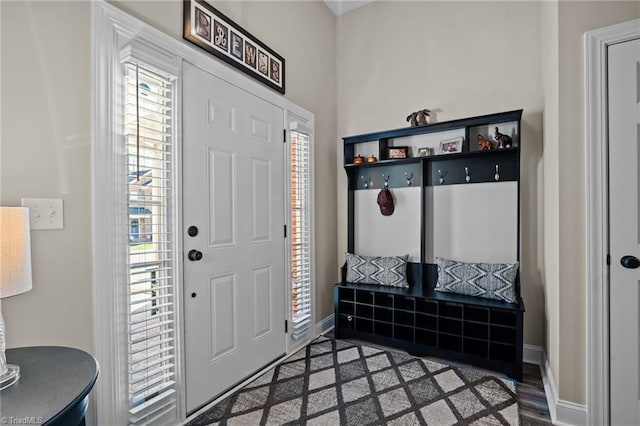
x=489 y=280
x=391 y=271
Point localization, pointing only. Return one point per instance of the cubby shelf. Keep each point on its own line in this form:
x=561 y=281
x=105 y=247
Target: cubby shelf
x=432 y=158
x=484 y=332
x=484 y=343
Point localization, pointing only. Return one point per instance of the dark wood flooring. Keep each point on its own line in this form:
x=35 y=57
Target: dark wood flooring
x=532 y=402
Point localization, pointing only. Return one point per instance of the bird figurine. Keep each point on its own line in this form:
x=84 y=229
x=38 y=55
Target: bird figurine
x=419 y=118
x=503 y=140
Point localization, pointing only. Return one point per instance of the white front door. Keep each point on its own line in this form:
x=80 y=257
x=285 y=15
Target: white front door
x=624 y=229
x=233 y=193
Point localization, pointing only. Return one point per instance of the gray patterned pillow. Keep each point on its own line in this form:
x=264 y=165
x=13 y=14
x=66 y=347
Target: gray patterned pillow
x=391 y=271
x=489 y=280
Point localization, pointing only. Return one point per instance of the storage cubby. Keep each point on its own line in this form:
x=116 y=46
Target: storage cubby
x=365 y=297
x=385 y=300
x=428 y=322
x=509 y=128
x=383 y=314
x=477 y=330
x=462 y=205
x=425 y=337
x=403 y=317
x=364 y=311
x=383 y=329
x=472 y=313
x=484 y=332
x=425 y=306
x=348 y=308
x=449 y=342
x=476 y=347
x=406 y=303
x=403 y=333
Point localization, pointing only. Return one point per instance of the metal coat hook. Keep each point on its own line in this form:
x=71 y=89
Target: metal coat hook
x=467 y=177
x=365 y=182
x=386 y=180
x=441 y=180
x=409 y=177
x=497 y=175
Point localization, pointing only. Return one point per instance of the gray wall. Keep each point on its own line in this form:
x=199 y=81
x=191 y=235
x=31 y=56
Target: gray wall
x=459 y=59
x=46 y=125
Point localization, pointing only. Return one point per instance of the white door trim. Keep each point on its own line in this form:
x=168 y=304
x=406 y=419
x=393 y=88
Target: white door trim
x=113 y=28
x=596 y=196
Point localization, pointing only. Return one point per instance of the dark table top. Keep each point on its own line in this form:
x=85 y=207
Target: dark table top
x=52 y=380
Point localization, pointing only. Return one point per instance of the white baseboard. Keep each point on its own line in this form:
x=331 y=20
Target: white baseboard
x=532 y=354
x=324 y=325
x=562 y=412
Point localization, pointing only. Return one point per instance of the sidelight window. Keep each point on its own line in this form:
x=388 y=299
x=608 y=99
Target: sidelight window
x=149 y=150
x=300 y=239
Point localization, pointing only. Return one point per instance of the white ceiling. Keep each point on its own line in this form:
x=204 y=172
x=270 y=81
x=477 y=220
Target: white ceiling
x=343 y=6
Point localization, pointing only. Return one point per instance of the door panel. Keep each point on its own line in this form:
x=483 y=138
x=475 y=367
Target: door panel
x=233 y=191
x=262 y=296
x=624 y=229
x=221 y=195
x=222 y=293
x=260 y=190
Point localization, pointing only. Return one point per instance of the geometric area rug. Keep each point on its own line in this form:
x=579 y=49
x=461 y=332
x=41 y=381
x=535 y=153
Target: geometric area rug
x=335 y=382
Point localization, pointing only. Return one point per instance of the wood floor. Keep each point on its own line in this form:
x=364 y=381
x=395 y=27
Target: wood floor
x=532 y=402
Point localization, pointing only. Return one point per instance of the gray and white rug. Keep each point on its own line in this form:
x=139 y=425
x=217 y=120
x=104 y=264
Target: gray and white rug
x=333 y=382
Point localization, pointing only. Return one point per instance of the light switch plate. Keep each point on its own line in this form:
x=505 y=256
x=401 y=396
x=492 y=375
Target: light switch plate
x=45 y=213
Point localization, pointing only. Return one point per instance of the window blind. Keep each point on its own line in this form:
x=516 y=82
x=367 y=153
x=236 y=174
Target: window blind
x=300 y=239
x=148 y=121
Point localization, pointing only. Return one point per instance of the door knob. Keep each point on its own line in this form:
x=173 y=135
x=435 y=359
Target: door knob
x=194 y=255
x=630 y=262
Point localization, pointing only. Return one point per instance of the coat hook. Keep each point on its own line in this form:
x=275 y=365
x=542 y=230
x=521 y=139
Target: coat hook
x=441 y=180
x=386 y=180
x=409 y=177
x=467 y=177
x=497 y=175
x=365 y=182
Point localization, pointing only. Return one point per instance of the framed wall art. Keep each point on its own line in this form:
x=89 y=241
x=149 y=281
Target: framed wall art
x=398 y=152
x=210 y=29
x=451 y=146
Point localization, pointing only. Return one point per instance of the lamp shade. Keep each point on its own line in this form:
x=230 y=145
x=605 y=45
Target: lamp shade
x=15 y=251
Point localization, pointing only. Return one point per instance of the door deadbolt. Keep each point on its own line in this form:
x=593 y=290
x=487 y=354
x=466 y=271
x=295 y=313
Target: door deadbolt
x=192 y=231
x=194 y=255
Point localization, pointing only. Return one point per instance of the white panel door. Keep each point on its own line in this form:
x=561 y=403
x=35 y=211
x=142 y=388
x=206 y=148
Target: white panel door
x=233 y=192
x=624 y=229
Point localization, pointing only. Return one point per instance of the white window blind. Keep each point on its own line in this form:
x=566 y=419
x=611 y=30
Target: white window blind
x=300 y=234
x=148 y=120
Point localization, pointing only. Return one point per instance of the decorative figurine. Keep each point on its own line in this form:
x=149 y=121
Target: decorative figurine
x=419 y=118
x=372 y=159
x=485 y=144
x=503 y=140
x=358 y=159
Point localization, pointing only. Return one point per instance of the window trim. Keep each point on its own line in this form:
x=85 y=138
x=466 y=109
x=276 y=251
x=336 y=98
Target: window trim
x=116 y=34
x=302 y=124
